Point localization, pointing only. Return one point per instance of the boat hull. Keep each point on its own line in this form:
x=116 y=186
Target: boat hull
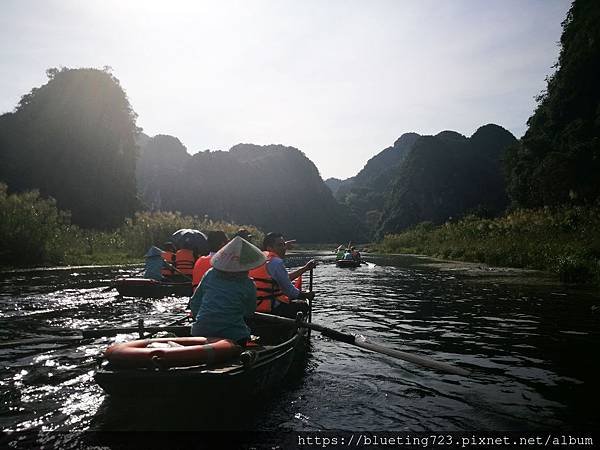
x=269 y=366
x=347 y=263
x=148 y=288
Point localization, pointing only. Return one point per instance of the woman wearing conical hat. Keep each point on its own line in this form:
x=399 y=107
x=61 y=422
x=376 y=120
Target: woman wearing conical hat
x=226 y=295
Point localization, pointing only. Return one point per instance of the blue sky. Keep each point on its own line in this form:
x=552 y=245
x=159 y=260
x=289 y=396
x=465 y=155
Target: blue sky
x=338 y=79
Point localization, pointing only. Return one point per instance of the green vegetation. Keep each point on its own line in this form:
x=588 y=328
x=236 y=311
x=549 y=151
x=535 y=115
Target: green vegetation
x=36 y=233
x=558 y=159
x=562 y=240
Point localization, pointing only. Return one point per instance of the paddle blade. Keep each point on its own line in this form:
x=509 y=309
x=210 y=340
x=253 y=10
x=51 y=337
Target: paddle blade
x=419 y=360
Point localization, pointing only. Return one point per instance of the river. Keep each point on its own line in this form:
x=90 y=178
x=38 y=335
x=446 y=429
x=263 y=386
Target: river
x=531 y=349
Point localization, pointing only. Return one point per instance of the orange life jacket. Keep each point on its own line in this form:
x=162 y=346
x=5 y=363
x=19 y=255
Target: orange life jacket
x=267 y=290
x=200 y=268
x=184 y=261
x=169 y=257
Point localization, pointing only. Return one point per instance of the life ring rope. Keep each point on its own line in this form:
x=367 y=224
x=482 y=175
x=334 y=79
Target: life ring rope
x=188 y=351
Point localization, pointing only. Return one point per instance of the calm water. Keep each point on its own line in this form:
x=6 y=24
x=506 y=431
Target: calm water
x=532 y=350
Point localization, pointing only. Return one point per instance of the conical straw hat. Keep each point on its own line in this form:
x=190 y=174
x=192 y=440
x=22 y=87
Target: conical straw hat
x=238 y=255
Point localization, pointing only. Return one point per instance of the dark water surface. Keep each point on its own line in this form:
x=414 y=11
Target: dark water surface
x=533 y=352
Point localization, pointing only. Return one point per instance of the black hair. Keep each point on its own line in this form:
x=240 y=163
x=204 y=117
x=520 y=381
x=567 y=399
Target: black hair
x=270 y=239
x=216 y=240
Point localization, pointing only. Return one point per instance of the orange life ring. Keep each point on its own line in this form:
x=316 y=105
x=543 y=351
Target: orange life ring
x=190 y=351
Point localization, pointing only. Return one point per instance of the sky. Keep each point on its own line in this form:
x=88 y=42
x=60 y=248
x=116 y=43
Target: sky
x=340 y=80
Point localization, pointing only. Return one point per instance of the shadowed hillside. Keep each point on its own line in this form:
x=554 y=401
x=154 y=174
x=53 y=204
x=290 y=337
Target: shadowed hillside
x=557 y=161
x=73 y=139
x=446 y=176
x=273 y=187
x=365 y=194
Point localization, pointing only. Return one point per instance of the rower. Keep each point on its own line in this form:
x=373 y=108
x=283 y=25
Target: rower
x=275 y=292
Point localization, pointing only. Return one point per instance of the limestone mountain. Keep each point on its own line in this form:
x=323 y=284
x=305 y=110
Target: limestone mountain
x=73 y=139
x=446 y=176
x=365 y=194
x=557 y=161
x=274 y=187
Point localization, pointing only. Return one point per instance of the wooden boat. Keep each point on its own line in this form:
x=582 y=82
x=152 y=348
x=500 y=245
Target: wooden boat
x=347 y=263
x=146 y=287
x=257 y=369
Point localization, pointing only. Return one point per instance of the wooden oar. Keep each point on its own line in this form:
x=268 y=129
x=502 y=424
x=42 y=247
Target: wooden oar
x=100 y=332
x=41 y=340
x=171 y=266
x=310 y=300
x=95 y=333
x=352 y=340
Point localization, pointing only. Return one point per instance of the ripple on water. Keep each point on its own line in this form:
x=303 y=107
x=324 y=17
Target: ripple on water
x=527 y=348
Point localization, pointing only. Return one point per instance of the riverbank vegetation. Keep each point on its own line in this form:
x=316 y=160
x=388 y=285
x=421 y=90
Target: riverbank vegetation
x=562 y=240
x=36 y=233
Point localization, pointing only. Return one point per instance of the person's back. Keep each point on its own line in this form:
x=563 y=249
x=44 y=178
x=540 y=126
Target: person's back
x=184 y=261
x=348 y=256
x=216 y=241
x=218 y=309
x=154 y=264
x=201 y=266
x=226 y=294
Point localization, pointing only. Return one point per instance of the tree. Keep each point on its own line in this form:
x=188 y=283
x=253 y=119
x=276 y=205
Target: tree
x=73 y=139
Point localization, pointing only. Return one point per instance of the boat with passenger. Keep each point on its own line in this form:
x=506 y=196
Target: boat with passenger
x=349 y=257
x=207 y=367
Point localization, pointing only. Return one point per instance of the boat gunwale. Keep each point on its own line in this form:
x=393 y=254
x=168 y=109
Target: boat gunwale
x=265 y=355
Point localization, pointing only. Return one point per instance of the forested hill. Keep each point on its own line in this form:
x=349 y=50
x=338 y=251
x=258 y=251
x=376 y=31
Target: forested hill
x=365 y=193
x=273 y=187
x=557 y=162
x=447 y=176
x=73 y=139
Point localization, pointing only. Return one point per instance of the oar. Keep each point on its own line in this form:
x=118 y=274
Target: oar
x=99 y=332
x=310 y=288
x=171 y=266
x=94 y=333
x=41 y=340
x=352 y=340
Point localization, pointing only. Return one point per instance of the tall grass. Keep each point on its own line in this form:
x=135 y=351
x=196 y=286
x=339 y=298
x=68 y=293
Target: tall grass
x=36 y=233
x=561 y=240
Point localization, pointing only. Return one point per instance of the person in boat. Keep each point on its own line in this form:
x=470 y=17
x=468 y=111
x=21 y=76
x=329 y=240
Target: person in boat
x=355 y=254
x=339 y=252
x=244 y=234
x=216 y=241
x=168 y=256
x=275 y=292
x=154 y=264
x=226 y=294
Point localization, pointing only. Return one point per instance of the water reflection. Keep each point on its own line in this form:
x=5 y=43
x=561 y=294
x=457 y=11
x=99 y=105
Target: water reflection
x=528 y=349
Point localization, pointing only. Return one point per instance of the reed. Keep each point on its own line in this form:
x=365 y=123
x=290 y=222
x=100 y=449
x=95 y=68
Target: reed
x=563 y=240
x=36 y=233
